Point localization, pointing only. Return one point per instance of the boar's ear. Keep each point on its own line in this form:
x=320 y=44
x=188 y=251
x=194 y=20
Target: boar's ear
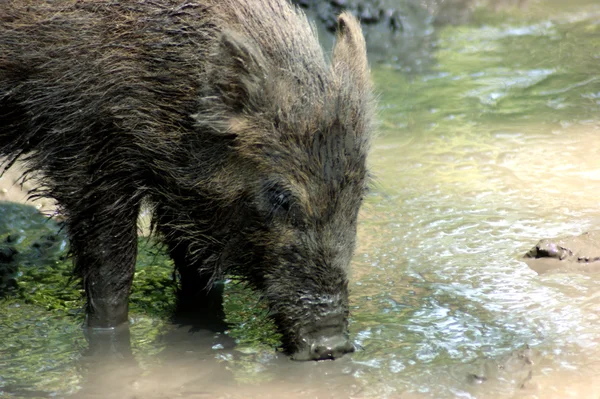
x=350 y=51
x=240 y=72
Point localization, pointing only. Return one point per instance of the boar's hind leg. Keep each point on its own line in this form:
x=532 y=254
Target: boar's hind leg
x=198 y=298
x=103 y=237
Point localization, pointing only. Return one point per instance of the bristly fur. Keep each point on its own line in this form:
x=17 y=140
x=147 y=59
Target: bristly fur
x=223 y=114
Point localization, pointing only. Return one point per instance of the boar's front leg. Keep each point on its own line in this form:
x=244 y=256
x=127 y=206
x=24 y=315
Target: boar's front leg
x=103 y=235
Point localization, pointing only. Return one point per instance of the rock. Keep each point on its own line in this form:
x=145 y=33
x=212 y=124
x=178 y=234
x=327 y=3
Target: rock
x=28 y=241
x=567 y=254
x=400 y=32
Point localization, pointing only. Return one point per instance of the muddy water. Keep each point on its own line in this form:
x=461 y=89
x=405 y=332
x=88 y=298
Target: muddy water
x=493 y=148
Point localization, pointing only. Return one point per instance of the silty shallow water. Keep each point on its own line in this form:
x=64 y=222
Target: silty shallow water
x=493 y=148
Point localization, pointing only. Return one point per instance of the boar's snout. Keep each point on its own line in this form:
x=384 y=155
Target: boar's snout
x=326 y=342
x=325 y=348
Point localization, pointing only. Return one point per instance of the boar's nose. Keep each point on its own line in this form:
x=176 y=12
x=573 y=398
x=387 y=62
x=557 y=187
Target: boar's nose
x=325 y=348
x=330 y=348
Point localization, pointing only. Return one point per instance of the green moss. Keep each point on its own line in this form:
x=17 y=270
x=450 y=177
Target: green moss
x=248 y=316
x=153 y=290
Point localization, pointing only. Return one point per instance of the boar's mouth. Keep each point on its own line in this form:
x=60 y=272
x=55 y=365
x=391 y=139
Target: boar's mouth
x=317 y=333
x=326 y=338
x=324 y=348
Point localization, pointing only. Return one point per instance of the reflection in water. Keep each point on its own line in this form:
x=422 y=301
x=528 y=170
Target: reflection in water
x=496 y=147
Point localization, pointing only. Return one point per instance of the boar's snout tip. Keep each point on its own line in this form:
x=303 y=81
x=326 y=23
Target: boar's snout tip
x=325 y=348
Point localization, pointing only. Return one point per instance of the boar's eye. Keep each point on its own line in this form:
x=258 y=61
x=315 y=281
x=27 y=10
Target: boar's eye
x=280 y=200
x=282 y=204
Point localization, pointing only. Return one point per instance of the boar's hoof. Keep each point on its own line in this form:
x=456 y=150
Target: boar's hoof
x=325 y=348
